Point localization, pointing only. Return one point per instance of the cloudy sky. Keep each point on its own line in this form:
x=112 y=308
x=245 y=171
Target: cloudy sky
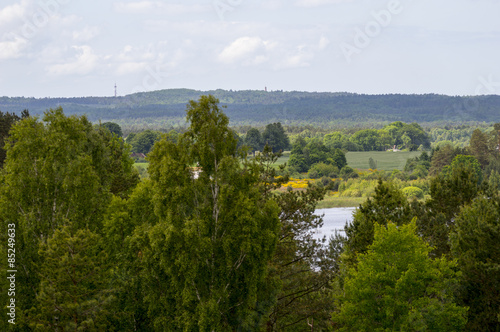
x=52 y=48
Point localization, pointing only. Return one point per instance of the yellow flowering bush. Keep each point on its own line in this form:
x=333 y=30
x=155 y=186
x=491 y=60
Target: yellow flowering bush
x=298 y=183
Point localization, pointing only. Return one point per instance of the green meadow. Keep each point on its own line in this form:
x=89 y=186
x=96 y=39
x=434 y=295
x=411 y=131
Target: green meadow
x=386 y=161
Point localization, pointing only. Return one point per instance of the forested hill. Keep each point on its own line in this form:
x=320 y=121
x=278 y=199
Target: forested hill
x=260 y=107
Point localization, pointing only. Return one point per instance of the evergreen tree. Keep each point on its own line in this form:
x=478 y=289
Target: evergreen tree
x=388 y=204
x=75 y=291
x=253 y=140
x=474 y=242
x=274 y=135
x=456 y=186
x=301 y=265
x=478 y=147
x=442 y=157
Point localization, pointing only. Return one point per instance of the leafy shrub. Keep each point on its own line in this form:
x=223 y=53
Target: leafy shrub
x=348 y=172
x=321 y=169
x=372 y=163
x=413 y=192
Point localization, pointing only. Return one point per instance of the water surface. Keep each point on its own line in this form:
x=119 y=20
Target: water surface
x=334 y=219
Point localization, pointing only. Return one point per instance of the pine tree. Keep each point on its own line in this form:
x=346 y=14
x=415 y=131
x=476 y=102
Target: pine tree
x=478 y=147
x=74 y=292
x=474 y=242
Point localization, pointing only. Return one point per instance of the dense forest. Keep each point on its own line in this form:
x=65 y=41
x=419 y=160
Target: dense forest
x=258 y=108
x=213 y=239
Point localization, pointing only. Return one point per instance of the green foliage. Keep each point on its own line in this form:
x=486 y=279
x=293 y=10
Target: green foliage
x=6 y=122
x=478 y=147
x=113 y=128
x=60 y=171
x=474 y=242
x=411 y=136
x=348 y=172
x=418 y=167
x=74 y=291
x=467 y=162
x=306 y=154
x=258 y=108
x=371 y=140
x=321 y=169
x=335 y=140
x=143 y=141
x=300 y=265
x=397 y=287
x=253 y=140
x=442 y=157
x=494 y=180
x=455 y=136
x=413 y=192
x=274 y=135
x=125 y=226
x=388 y=204
x=372 y=163
x=206 y=258
x=455 y=187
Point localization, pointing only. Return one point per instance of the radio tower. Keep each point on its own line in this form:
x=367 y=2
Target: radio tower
x=115 y=90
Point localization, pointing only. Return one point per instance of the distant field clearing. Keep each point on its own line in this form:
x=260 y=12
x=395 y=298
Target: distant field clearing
x=386 y=161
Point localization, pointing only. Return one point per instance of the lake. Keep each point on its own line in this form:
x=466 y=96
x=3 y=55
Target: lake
x=333 y=219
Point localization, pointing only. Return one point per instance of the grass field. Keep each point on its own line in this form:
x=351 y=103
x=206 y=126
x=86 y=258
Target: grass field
x=386 y=161
x=335 y=202
x=281 y=160
x=145 y=165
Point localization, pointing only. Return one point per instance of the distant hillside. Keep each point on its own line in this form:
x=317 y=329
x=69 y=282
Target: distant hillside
x=260 y=107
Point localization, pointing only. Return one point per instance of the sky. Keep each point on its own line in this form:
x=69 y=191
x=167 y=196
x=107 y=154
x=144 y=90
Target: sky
x=70 y=48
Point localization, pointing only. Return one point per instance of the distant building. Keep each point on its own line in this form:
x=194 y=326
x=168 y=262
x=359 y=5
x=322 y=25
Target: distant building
x=195 y=172
x=137 y=155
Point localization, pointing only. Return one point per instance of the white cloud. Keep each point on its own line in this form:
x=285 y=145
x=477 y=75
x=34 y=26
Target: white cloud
x=246 y=48
x=14 y=12
x=12 y=49
x=84 y=62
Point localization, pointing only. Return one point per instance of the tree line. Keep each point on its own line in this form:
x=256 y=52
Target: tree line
x=225 y=249
x=257 y=108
